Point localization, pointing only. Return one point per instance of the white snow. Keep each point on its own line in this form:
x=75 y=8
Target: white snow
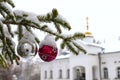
x=48 y=40
x=63 y=56
x=61 y=18
x=4 y=4
x=1 y=23
x=28 y=37
x=1 y=46
x=8 y=37
x=5 y=30
x=30 y=15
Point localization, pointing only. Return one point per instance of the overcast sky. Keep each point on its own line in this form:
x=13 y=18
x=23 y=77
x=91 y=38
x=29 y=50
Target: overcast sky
x=104 y=15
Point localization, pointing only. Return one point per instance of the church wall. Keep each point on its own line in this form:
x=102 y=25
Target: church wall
x=83 y=60
x=93 y=49
x=110 y=61
x=55 y=66
x=88 y=62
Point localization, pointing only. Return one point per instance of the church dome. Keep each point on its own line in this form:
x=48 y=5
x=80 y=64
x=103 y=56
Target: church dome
x=88 y=34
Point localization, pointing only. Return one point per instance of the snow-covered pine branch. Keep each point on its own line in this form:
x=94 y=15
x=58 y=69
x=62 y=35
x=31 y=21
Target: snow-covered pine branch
x=27 y=21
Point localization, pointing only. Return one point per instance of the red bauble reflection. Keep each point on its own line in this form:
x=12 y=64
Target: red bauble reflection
x=47 y=53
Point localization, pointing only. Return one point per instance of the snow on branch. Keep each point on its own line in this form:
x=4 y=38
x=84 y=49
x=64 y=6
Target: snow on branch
x=30 y=16
x=4 y=7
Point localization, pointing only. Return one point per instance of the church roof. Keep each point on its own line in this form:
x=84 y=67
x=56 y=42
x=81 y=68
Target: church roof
x=63 y=56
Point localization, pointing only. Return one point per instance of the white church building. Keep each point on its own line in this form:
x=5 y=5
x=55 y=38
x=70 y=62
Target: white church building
x=95 y=65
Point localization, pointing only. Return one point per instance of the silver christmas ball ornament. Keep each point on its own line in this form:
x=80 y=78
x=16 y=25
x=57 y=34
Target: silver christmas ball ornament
x=27 y=47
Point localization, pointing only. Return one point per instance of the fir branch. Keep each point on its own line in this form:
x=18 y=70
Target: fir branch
x=11 y=3
x=7 y=44
x=57 y=26
x=39 y=27
x=2 y=13
x=71 y=48
x=76 y=36
x=68 y=39
x=57 y=38
x=8 y=49
x=55 y=18
x=28 y=28
x=44 y=27
x=37 y=40
x=45 y=18
x=11 y=45
x=62 y=45
x=20 y=32
x=9 y=30
x=2 y=33
x=4 y=7
x=4 y=52
x=10 y=56
x=79 y=47
x=17 y=60
x=62 y=22
x=23 y=21
x=3 y=62
x=54 y=13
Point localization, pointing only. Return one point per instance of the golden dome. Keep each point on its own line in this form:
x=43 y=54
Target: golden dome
x=88 y=34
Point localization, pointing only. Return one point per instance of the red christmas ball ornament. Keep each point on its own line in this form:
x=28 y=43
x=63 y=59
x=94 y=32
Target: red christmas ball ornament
x=47 y=53
x=48 y=50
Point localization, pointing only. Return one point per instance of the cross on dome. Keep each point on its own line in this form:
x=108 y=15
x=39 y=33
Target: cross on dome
x=87 y=33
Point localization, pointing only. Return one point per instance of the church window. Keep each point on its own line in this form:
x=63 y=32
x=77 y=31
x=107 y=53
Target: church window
x=45 y=74
x=51 y=74
x=68 y=73
x=105 y=70
x=118 y=72
x=60 y=73
x=78 y=74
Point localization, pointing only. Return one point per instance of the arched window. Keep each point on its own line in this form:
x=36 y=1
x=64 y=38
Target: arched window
x=45 y=74
x=60 y=73
x=78 y=74
x=68 y=73
x=51 y=74
x=105 y=72
x=118 y=72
